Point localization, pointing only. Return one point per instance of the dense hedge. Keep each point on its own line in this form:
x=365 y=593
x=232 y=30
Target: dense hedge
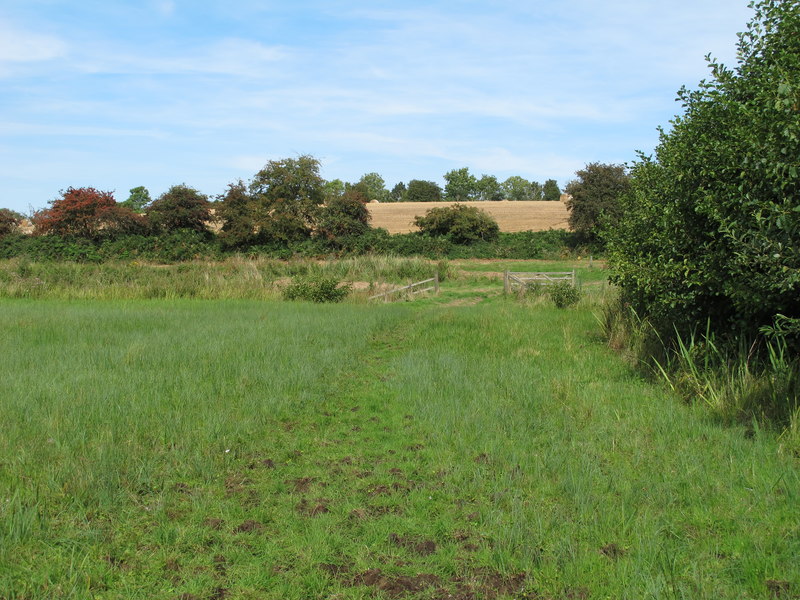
x=188 y=245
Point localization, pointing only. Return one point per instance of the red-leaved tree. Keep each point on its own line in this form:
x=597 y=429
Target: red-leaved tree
x=87 y=213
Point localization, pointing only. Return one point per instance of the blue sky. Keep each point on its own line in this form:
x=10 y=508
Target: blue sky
x=204 y=92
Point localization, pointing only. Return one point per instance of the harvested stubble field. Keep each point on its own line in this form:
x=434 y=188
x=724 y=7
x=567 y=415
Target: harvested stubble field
x=203 y=449
x=398 y=217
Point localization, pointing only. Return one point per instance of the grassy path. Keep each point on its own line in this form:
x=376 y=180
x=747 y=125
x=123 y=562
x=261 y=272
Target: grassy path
x=200 y=450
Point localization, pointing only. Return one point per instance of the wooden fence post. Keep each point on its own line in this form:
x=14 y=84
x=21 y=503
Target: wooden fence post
x=436 y=283
x=506 y=284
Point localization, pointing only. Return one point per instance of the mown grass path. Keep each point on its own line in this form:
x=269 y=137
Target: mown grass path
x=270 y=450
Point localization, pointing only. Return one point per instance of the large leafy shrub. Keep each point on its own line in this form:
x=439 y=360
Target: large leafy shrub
x=460 y=223
x=711 y=228
x=285 y=199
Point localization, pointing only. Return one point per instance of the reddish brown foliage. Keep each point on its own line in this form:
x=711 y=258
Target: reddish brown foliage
x=86 y=212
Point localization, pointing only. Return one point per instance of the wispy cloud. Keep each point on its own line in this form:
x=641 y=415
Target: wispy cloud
x=165 y=8
x=20 y=45
x=206 y=93
x=234 y=57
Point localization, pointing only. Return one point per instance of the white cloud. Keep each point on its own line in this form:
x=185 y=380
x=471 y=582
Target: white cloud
x=165 y=7
x=20 y=46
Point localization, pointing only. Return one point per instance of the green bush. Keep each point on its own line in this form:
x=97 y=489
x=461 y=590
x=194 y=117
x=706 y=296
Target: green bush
x=316 y=288
x=563 y=294
x=461 y=224
x=710 y=231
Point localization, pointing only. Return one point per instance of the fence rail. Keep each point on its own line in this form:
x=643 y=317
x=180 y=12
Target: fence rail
x=520 y=280
x=411 y=290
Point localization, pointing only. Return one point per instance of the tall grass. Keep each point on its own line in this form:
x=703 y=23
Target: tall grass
x=740 y=381
x=235 y=278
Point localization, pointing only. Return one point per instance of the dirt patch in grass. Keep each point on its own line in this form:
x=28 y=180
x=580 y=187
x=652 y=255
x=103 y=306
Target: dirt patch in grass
x=413 y=544
x=613 y=551
x=779 y=589
x=395 y=586
x=302 y=484
x=249 y=526
x=480 y=583
x=313 y=509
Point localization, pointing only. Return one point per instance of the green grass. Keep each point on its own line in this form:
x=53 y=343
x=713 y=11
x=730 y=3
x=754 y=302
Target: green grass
x=584 y=271
x=246 y=449
x=234 y=278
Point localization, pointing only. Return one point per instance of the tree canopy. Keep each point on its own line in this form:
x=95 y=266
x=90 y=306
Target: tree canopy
x=551 y=191
x=87 y=213
x=137 y=200
x=595 y=197
x=519 y=188
x=180 y=207
x=9 y=221
x=423 y=191
x=461 y=186
x=373 y=187
x=286 y=195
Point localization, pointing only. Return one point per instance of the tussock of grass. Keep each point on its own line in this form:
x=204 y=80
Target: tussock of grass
x=756 y=382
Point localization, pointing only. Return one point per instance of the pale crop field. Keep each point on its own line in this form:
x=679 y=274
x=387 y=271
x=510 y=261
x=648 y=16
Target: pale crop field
x=398 y=217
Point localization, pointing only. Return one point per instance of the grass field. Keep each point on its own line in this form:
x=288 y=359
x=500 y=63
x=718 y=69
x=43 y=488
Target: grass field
x=398 y=217
x=204 y=449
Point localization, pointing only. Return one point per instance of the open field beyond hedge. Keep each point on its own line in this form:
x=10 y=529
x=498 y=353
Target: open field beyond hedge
x=398 y=217
x=465 y=446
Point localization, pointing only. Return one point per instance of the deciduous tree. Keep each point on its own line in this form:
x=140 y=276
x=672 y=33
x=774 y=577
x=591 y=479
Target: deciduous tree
x=519 y=188
x=344 y=216
x=550 y=190
x=423 y=191
x=489 y=188
x=287 y=194
x=180 y=207
x=87 y=213
x=235 y=210
x=137 y=200
x=374 y=187
x=461 y=186
x=398 y=193
x=9 y=221
x=595 y=198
